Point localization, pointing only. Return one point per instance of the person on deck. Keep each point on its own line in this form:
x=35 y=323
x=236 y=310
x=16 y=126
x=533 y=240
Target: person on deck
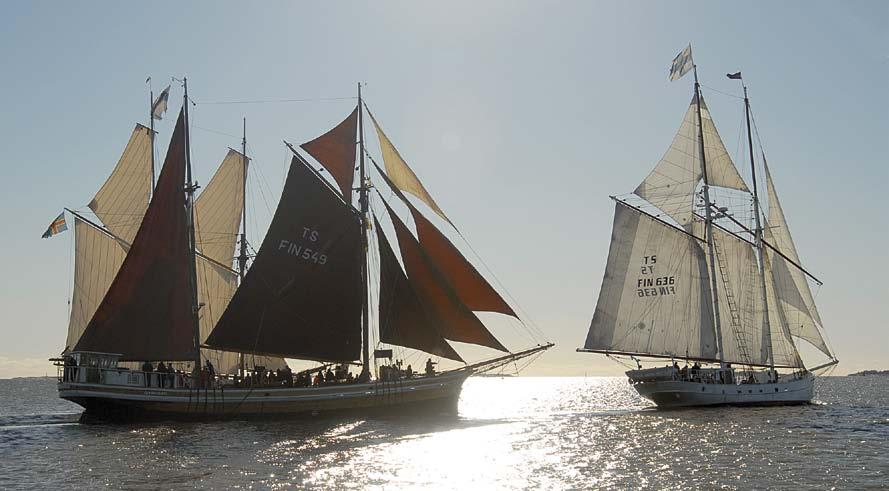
x=409 y=373
x=430 y=367
x=161 y=374
x=695 y=369
x=147 y=367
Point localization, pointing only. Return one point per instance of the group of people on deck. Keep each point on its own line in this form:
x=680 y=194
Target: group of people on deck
x=162 y=376
x=722 y=376
x=396 y=372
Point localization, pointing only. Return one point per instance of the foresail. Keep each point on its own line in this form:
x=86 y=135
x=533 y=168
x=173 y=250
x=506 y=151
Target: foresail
x=791 y=286
x=302 y=297
x=672 y=183
x=121 y=202
x=472 y=288
x=218 y=210
x=654 y=297
x=456 y=321
x=401 y=175
x=147 y=311
x=97 y=257
x=335 y=150
x=403 y=320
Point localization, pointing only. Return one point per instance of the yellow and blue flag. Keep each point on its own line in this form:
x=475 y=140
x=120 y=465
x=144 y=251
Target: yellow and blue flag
x=56 y=227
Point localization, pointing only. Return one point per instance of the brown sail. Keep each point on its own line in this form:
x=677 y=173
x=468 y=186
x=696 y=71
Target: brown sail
x=472 y=288
x=403 y=320
x=457 y=322
x=336 y=151
x=302 y=296
x=146 y=313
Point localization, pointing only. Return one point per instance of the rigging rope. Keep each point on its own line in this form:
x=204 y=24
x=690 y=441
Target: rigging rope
x=273 y=101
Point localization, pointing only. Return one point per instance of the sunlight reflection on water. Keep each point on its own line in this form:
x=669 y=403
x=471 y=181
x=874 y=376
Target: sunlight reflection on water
x=511 y=433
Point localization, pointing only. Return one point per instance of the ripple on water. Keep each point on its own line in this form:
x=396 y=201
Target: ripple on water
x=511 y=433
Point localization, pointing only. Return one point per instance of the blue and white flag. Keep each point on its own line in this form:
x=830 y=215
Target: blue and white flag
x=56 y=227
x=682 y=64
x=160 y=105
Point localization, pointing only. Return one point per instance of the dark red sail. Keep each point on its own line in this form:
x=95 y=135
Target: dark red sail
x=472 y=288
x=457 y=322
x=403 y=320
x=302 y=297
x=336 y=151
x=147 y=312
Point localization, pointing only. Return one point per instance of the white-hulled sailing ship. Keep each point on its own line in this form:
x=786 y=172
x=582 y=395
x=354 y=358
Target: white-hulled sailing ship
x=698 y=274
x=155 y=284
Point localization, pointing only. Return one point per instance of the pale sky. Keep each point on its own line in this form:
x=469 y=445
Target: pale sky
x=520 y=117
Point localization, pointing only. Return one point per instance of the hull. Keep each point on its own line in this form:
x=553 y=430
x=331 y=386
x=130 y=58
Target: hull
x=103 y=402
x=680 y=393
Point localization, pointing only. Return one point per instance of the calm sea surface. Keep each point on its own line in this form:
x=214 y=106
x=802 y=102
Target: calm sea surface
x=512 y=433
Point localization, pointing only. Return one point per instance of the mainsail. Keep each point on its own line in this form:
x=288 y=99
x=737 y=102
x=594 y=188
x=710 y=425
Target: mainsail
x=403 y=319
x=121 y=202
x=302 y=296
x=654 y=296
x=146 y=313
x=672 y=183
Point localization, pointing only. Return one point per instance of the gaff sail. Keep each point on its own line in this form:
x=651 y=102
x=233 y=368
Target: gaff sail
x=147 y=312
x=302 y=296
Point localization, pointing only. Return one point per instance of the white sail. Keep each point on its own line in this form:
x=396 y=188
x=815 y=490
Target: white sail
x=671 y=184
x=217 y=219
x=654 y=296
x=744 y=337
x=784 y=351
x=792 y=289
x=122 y=200
x=218 y=210
x=97 y=257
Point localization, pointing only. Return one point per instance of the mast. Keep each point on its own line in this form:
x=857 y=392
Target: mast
x=708 y=222
x=242 y=257
x=190 y=188
x=151 y=136
x=758 y=234
x=362 y=200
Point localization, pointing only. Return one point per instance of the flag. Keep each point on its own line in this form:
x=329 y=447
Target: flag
x=681 y=64
x=734 y=76
x=56 y=227
x=160 y=105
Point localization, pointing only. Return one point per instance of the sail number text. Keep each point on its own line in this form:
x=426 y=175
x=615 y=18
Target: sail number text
x=300 y=249
x=651 y=285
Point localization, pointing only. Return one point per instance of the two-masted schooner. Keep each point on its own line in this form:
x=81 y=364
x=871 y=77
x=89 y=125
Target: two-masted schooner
x=697 y=273
x=155 y=284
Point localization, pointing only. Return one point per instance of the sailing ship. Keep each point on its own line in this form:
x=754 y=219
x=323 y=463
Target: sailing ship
x=155 y=283
x=697 y=273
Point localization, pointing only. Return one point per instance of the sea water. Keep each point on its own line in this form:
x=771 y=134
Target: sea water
x=511 y=433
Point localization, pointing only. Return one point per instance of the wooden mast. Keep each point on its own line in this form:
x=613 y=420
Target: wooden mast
x=190 y=188
x=708 y=223
x=362 y=201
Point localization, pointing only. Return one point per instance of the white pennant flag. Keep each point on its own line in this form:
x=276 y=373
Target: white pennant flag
x=681 y=64
x=160 y=105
